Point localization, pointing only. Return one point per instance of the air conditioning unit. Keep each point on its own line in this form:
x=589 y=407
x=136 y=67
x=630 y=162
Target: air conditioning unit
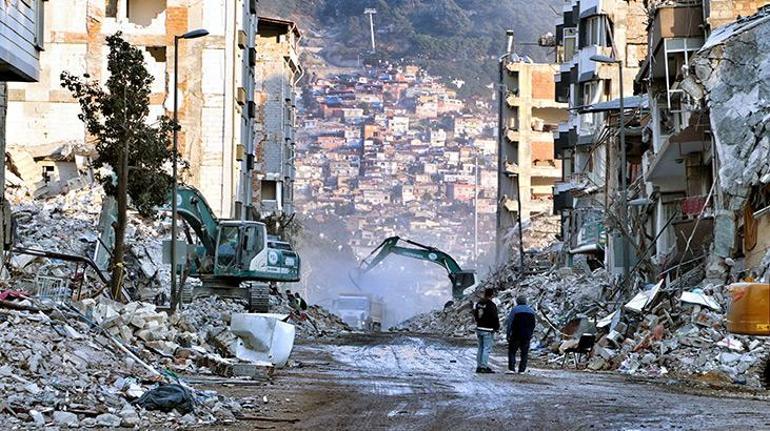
x=241 y=96
x=243 y=39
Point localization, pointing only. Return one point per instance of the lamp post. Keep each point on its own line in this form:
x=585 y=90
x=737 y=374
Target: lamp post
x=500 y=162
x=194 y=34
x=623 y=167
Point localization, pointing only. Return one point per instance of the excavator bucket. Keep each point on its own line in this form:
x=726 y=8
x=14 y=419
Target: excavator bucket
x=265 y=338
x=461 y=281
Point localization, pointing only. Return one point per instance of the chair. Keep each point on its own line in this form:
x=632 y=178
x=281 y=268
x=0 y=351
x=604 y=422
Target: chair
x=584 y=349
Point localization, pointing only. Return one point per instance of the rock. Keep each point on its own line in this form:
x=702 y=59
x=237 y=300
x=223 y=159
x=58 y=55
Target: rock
x=108 y=420
x=37 y=418
x=129 y=418
x=596 y=363
x=189 y=419
x=65 y=419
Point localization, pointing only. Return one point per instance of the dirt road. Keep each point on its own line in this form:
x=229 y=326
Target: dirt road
x=407 y=382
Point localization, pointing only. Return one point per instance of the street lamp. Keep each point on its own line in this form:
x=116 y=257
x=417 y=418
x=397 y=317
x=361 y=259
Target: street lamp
x=623 y=167
x=193 y=34
x=500 y=162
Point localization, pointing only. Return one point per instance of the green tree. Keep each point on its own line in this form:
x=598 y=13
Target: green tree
x=116 y=119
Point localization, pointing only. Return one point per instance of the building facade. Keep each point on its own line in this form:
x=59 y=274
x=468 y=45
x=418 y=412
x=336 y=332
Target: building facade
x=678 y=211
x=21 y=41
x=529 y=116
x=277 y=74
x=608 y=28
x=215 y=85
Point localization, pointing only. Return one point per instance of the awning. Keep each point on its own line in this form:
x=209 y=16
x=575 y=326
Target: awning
x=633 y=102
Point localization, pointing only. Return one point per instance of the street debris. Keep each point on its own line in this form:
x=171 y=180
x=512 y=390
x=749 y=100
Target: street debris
x=659 y=331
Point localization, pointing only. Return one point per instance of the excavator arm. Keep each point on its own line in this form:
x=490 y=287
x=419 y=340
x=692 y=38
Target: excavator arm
x=461 y=279
x=194 y=209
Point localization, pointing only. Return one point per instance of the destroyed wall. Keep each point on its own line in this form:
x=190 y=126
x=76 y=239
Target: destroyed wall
x=721 y=12
x=277 y=70
x=43 y=113
x=731 y=71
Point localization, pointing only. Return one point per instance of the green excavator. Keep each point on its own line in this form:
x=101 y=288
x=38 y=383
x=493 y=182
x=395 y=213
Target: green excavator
x=462 y=280
x=232 y=258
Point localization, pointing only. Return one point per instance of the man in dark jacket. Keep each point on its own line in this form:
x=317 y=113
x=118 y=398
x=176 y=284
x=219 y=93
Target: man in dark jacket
x=520 y=326
x=487 y=323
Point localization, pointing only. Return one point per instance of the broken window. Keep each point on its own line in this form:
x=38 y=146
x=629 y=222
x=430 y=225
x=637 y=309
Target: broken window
x=143 y=12
x=111 y=8
x=269 y=190
x=158 y=53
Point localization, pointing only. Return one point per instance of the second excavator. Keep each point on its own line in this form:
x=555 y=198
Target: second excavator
x=462 y=280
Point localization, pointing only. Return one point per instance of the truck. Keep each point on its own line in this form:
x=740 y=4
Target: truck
x=360 y=311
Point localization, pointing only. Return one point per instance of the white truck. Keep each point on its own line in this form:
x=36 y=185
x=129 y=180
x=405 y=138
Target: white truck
x=360 y=311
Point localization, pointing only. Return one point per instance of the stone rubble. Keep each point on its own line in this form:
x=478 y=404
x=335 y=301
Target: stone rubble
x=58 y=370
x=667 y=337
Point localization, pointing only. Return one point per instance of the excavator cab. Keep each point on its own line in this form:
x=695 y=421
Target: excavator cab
x=238 y=244
x=462 y=281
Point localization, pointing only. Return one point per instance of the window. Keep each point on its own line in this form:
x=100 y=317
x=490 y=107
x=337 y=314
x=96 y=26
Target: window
x=111 y=8
x=596 y=31
x=269 y=190
x=570 y=43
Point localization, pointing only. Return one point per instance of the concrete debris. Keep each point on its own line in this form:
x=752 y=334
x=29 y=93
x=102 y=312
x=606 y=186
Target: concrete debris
x=662 y=335
x=57 y=369
x=732 y=67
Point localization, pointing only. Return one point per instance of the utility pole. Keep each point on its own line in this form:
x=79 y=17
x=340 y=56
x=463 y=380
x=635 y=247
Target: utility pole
x=371 y=11
x=476 y=211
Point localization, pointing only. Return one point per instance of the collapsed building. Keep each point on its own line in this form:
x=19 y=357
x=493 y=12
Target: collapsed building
x=232 y=85
x=687 y=195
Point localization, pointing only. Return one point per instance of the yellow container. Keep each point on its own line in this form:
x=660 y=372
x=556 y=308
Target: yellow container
x=749 y=310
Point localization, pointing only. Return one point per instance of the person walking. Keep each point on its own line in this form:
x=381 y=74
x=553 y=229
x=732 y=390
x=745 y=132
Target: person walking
x=487 y=323
x=520 y=327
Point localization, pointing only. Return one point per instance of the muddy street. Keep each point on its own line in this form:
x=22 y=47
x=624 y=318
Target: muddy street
x=406 y=382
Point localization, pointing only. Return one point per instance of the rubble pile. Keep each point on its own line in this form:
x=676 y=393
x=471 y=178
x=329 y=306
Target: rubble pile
x=210 y=315
x=59 y=371
x=69 y=223
x=676 y=330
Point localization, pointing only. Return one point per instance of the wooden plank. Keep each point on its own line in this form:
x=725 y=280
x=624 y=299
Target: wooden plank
x=18 y=45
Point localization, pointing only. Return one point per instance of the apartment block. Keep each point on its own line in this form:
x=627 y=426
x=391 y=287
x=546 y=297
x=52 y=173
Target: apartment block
x=679 y=191
x=214 y=79
x=530 y=115
x=21 y=41
x=616 y=30
x=277 y=74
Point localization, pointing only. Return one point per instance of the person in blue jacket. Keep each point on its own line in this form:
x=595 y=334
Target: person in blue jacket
x=520 y=327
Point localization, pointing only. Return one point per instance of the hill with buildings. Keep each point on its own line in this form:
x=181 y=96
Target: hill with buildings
x=455 y=39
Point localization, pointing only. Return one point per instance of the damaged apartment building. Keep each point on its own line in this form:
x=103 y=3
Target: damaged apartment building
x=220 y=93
x=529 y=115
x=278 y=72
x=691 y=196
x=21 y=43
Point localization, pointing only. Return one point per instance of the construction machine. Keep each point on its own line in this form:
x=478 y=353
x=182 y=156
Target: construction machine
x=462 y=280
x=360 y=311
x=232 y=258
x=749 y=314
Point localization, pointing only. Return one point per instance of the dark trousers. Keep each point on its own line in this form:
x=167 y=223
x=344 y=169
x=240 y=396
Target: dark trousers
x=518 y=344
